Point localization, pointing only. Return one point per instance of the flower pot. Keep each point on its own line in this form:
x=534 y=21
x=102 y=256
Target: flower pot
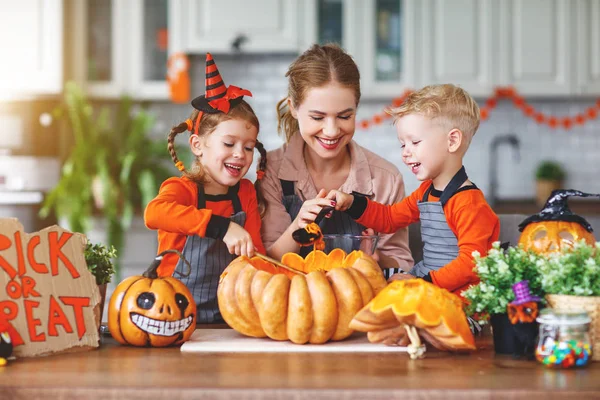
x=505 y=341
x=102 y=289
x=543 y=190
x=590 y=304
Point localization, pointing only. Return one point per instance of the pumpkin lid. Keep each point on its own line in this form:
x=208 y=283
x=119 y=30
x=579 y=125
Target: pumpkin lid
x=556 y=209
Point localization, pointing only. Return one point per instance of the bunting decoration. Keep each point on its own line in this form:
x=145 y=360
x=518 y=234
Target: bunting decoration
x=510 y=94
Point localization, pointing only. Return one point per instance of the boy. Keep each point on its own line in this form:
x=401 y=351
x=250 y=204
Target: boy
x=435 y=126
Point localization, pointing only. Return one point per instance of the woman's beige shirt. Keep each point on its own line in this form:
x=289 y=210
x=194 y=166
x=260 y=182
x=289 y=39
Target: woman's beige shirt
x=369 y=174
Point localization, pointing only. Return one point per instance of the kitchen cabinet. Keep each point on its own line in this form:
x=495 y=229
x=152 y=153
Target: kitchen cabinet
x=458 y=39
x=219 y=26
x=31 y=39
x=588 y=47
x=121 y=47
x=535 y=46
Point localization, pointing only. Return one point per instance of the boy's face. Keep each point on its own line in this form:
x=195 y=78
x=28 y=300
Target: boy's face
x=424 y=145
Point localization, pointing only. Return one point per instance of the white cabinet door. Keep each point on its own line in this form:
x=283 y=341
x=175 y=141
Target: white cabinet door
x=458 y=44
x=149 y=49
x=588 y=47
x=388 y=49
x=214 y=26
x=31 y=43
x=101 y=43
x=536 y=46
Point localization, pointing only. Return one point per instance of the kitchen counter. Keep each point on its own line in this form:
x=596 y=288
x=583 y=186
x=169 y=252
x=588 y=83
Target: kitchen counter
x=115 y=371
x=528 y=206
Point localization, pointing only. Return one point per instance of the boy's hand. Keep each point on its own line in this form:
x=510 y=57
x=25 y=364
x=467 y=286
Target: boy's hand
x=310 y=209
x=343 y=200
x=400 y=277
x=238 y=241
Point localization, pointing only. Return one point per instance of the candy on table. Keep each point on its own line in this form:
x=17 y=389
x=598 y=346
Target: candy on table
x=564 y=354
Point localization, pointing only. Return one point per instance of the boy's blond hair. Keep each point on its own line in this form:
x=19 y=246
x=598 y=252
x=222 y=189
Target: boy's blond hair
x=447 y=104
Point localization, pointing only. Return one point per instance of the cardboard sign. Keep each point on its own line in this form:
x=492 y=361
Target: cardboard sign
x=47 y=294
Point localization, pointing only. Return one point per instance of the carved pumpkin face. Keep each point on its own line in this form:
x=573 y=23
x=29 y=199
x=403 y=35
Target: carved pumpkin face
x=522 y=313
x=552 y=236
x=151 y=311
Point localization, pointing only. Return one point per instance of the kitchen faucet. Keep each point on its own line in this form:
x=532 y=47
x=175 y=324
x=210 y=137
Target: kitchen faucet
x=512 y=140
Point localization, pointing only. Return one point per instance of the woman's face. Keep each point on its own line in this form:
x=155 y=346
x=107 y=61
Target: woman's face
x=327 y=119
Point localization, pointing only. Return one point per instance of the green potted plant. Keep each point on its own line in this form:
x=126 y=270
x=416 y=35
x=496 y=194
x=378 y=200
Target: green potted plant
x=100 y=262
x=111 y=169
x=571 y=281
x=549 y=176
x=499 y=271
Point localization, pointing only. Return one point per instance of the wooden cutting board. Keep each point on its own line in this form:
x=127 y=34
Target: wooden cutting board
x=230 y=341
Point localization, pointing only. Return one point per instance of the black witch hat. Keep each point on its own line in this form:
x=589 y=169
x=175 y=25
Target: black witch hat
x=556 y=209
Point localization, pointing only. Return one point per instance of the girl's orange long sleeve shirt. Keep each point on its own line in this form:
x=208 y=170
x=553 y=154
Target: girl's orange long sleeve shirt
x=469 y=217
x=175 y=214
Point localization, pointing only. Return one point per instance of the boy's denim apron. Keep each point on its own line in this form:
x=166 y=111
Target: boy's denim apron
x=440 y=245
x=209 y=257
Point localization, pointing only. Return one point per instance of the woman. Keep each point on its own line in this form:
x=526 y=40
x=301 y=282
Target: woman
x=318 y=118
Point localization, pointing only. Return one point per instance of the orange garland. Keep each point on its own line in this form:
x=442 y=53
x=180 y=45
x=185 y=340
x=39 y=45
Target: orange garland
x=519 y=102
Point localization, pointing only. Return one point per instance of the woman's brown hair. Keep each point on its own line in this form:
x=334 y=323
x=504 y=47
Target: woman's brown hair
x=208 y=124
x=315 y=68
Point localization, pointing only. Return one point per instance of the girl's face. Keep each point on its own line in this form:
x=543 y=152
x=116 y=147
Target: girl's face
x=424 y=145
x=327 y=119
x=226 y=153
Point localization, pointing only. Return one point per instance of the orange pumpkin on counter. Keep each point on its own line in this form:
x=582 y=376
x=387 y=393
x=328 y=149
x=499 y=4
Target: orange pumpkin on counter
x=556 y=227
x=313 y=305
x=151 y=311
x=435 y=314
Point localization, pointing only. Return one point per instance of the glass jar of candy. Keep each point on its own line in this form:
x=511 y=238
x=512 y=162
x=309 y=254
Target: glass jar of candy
x=564 y=339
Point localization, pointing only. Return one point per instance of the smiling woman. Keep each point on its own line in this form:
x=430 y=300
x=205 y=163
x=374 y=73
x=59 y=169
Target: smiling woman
x=318 y=119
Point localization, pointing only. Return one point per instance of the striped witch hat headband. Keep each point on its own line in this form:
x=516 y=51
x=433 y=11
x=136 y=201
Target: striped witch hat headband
x=218 y=97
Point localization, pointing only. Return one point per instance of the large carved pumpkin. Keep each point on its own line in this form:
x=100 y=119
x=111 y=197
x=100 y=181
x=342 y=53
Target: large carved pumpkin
x=314 y=305
x=555 y=227
x=151 y=311
x=436 y=314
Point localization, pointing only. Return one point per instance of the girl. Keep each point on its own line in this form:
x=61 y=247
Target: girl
x=210 y=213
x=318 y=121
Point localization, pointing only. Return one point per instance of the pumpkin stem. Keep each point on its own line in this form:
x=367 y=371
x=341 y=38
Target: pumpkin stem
x=151 y=271
x=278 y=264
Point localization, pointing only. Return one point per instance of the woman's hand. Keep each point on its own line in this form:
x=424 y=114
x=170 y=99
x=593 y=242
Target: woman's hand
x=343 y=200
x=238 y=241
x=310 y=209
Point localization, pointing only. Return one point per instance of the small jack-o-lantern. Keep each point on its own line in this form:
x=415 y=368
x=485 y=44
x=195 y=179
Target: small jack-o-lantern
x=555 y=227
x=153 y=311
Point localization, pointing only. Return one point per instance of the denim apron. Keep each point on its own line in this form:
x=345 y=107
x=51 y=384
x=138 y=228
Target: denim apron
x=209 y=257
x=440 y=245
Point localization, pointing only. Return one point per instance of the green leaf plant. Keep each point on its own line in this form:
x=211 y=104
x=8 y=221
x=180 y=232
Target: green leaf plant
x=111 y=168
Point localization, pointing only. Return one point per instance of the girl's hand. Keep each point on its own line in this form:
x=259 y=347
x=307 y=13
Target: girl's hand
x=238 y=241
x=310 y=209
x=400 y=277
x=343 y=200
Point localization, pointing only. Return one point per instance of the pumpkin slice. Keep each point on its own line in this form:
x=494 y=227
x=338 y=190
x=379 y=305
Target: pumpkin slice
x=316 y=261
x=335 y=258
x=351 y=258
x=293 y=260
x=437 y=314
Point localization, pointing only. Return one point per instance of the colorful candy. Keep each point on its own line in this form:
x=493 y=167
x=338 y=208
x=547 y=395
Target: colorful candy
x=563 y=354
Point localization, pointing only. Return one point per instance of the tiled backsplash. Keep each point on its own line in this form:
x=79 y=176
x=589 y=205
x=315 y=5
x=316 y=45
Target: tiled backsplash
x=577 y=149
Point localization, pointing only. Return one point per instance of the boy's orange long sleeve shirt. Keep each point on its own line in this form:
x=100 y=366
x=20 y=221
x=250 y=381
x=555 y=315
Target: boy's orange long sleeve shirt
x=469 y=217
x=174 y=213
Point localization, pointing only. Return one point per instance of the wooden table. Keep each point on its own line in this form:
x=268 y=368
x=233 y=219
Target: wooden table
x=115 y=371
